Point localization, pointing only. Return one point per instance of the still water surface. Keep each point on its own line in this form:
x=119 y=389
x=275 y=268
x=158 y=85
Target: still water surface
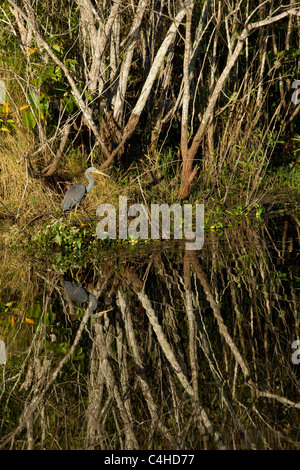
x=184 y=350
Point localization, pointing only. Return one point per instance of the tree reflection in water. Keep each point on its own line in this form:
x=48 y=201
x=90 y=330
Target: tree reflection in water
x=195 y=354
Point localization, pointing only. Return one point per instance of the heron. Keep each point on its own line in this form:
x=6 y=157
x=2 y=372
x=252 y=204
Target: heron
x=76 y=193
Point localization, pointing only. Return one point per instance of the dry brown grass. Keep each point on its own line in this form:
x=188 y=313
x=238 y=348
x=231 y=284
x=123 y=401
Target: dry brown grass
x=27 y=196
x=23 y=194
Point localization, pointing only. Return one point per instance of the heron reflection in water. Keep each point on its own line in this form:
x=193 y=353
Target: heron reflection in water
x=79 y=294
x=76 y=193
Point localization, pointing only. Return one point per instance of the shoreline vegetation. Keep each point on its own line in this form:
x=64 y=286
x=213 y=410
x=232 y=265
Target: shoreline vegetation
x=195 y=104
x=31 y=213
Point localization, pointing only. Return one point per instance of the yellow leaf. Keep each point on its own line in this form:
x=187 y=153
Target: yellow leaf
x=9 y=304
x=6 y=107
x=24 y=107
x=4 y=129
x=29 y=320
x=12 y=320
x=30 y=52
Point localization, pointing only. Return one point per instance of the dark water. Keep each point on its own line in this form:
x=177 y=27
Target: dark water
x=189 y=350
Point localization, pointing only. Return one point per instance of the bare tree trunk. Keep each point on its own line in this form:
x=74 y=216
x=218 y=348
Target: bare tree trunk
x=145 y=92
x=188 y=174
x=119 y=98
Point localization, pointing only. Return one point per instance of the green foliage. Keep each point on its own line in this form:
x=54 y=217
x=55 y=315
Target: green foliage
x=7 y=124
x=63 y=235
x=287 y=176
x=220 y=219
x=49 y=90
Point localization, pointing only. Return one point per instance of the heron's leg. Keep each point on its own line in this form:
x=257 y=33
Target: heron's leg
x=87 y=214
x=75 y=213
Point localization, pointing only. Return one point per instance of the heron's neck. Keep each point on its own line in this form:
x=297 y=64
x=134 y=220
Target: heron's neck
x=91 y=181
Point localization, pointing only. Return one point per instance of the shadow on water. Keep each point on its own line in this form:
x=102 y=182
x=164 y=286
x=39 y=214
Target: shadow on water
x=193 y=350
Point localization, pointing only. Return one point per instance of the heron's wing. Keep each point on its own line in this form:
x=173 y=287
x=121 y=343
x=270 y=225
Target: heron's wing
x=74 y=196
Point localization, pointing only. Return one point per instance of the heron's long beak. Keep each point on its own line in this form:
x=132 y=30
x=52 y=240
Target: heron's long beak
x=100 y=173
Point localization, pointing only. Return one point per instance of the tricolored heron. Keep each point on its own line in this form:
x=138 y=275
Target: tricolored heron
x=76 y=193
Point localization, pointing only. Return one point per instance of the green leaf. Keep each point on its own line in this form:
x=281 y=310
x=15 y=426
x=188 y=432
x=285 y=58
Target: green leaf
x=29 y=120
x=69 y=104
x=57 y=48
x=33 y=99
x=58 y=239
